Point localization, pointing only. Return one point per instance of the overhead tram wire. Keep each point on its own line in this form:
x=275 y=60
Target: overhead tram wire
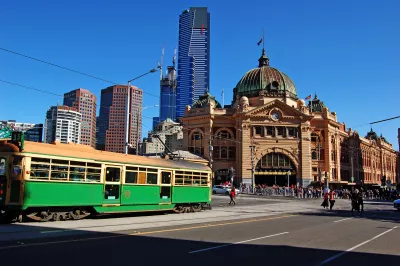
x=184 y=127
x=44 y=91
x=71 y=70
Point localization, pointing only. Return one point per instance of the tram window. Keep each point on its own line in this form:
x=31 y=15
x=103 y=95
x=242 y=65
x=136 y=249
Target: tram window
x=166 y=178
x=142 y=177
x=152 y=178
x=178 y=179
x=40 y=168
x=113 y=174
x=187 y=180
x=258 y=130
x=196 y=180
x=128 y=168
x=111 y=192
x=2 y=167
x=93 y=174
x=17 y=160
x=131 y=177
x=59 y=172
x=77 y=174
x=60 y=162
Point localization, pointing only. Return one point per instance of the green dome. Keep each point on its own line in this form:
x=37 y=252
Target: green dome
x=205 y=100
x=267 y=79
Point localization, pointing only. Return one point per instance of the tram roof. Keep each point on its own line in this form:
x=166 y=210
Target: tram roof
x=86 y=152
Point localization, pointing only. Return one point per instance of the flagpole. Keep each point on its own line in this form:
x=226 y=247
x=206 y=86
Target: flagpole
x=223 y=102
x=263 y=38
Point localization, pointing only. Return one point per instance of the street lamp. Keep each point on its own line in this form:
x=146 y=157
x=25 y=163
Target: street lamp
x=128 y=145
x=127 y=110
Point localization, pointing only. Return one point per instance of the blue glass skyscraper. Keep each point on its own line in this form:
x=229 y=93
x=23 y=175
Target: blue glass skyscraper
x=193 y=57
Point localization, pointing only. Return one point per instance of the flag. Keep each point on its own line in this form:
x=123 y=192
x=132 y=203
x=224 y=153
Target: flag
x=308 y=97
x=260 y=42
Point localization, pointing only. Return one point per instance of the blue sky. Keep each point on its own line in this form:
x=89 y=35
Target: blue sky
x=345 y=51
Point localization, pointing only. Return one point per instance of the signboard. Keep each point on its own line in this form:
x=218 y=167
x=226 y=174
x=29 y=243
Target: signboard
x=275 y=173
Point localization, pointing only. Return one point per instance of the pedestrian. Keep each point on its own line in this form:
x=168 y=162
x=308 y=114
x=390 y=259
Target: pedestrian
x=325 y=203
x=331 y=199
x=232 y=195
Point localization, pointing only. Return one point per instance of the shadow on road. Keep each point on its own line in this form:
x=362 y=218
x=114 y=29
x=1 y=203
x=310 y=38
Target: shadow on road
x=117 y=249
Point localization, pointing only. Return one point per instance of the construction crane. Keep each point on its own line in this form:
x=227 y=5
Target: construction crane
x=160 y=64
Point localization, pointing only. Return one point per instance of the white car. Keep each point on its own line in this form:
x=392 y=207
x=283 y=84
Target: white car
x=219 y=189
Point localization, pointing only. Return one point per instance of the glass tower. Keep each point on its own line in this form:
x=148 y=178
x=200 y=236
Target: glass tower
x=193 y=57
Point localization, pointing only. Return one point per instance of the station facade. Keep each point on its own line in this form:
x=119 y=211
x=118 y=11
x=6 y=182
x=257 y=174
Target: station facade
x=269 y=129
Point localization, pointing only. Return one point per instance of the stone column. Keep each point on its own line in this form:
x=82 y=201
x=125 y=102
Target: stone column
x=245 y=163
x=305 y=160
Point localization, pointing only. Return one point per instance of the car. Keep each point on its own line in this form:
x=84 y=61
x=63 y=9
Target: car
x=220 y=189
x=396 y=204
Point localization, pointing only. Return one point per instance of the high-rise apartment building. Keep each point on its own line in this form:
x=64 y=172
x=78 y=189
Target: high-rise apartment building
x=63 y=123
x=193 y=57
x=112 y=119
x=85 y=103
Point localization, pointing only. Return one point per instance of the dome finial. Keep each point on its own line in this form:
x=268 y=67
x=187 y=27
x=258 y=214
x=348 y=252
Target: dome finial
x=263 y=60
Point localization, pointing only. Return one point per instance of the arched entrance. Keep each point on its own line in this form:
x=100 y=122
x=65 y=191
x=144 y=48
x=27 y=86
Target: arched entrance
x=275 y=168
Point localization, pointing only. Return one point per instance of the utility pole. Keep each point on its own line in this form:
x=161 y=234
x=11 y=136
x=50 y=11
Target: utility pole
x=210 y=151
x=252 y=166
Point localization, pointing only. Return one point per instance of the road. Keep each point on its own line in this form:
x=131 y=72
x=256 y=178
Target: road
x=255 y=231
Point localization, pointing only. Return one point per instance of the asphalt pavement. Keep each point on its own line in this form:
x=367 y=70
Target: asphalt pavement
x=308 y=236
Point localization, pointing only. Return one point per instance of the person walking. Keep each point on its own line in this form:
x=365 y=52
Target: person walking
x=325 y=203
x=232 y=195
x=331 y=199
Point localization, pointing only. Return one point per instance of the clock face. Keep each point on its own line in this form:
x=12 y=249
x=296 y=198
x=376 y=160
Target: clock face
x=275 y=115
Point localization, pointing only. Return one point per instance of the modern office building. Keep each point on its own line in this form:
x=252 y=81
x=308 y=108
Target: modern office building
x=33 y=132
x=112 y=119
x=63 y=124
x=193 y=57
x=85 y=103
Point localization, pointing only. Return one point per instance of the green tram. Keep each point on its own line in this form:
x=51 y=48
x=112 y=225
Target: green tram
x=50 y=182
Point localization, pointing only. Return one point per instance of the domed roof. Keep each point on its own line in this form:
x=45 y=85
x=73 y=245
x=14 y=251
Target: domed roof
x=371 y=135
x=204 y=100
x=265 y=78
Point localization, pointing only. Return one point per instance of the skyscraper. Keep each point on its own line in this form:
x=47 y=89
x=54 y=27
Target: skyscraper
x=168 y=95
x=85 y=103
x=112 y=118
x=63 y=123
x=193 y=57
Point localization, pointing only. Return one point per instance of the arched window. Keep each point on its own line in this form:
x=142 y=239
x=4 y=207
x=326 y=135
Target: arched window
x=196 y=143
x=224 y=146
x=314 y=155
x=275 y=161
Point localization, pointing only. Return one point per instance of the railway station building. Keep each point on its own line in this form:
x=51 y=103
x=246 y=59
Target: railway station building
x=268 y=126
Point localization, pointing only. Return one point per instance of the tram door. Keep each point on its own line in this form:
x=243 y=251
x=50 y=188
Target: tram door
x=165 y=187
x=112 y=185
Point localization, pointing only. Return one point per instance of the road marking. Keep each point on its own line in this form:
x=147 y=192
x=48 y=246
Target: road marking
x=145 y=233
x=240 y=242
x=356 y=246
x=53 y=231
x=342 y=220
